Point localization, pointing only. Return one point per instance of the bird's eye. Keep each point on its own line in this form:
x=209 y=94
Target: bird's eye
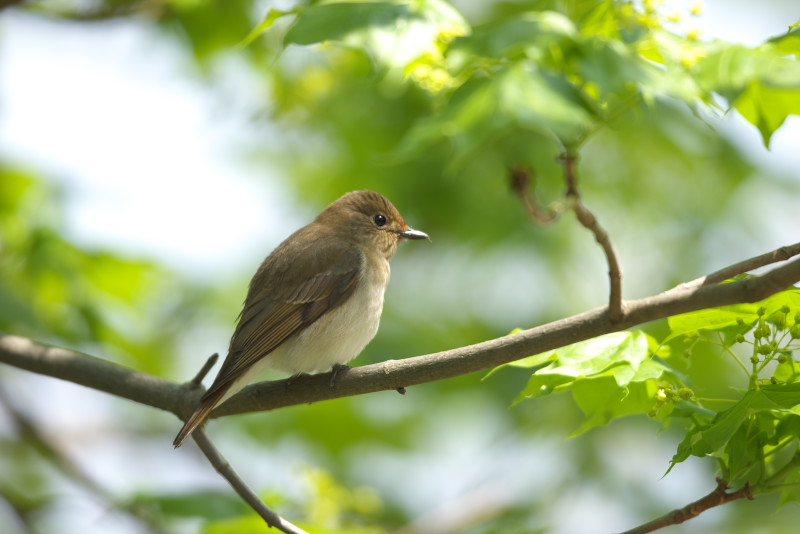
x=380 y=220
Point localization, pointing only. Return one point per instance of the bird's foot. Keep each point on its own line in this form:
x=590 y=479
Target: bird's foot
x=291 y=380
x=337 y=368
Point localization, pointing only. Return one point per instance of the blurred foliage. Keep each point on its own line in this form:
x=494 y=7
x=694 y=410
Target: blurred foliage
x=54 y=290
x=432 y=104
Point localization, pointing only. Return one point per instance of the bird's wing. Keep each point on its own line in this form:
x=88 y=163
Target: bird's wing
x=283 y=300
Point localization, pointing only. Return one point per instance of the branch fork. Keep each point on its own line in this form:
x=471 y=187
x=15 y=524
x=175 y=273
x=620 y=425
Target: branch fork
x=521 y=179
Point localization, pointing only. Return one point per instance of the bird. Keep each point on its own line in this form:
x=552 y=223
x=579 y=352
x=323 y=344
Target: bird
x=316 y=300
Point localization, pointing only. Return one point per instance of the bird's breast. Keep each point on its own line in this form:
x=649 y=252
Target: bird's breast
x=341 y=334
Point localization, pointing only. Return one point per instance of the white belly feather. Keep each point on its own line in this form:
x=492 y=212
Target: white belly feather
x=335 y=338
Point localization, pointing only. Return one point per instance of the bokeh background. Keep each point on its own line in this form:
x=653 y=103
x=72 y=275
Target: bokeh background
x=147 y=165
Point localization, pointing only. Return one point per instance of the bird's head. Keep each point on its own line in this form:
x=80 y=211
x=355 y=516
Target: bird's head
x=371 y=220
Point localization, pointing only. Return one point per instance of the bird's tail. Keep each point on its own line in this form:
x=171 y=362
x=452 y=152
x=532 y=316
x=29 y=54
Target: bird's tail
x=207 y=403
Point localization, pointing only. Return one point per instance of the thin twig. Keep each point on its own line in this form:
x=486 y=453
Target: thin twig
x=616 y=306
x=717 y=497
x=224 y=468
x=201 y=374
x=522 y=181
x=22 y=513
x=779 y=254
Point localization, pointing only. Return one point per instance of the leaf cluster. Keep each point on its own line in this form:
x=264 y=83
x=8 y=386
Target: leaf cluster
x=751 y=433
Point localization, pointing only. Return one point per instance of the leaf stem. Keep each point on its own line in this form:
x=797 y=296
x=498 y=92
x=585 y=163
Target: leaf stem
x=727 y=349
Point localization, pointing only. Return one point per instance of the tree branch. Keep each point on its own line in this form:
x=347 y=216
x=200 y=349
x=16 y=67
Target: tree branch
x=717 y=497
x=392 y=374
x=91 y=372
x=781 y=254
x=389 y=375
x=228 y=473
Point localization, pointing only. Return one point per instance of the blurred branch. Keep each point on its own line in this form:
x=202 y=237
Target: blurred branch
x=23 y=523
x=50 y=451
x=9 y=3
x=152 y=9
x=224 y=468
x=522 y=181
x=717 y=497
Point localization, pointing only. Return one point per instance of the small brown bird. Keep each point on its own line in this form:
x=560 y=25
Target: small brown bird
x=316 y=300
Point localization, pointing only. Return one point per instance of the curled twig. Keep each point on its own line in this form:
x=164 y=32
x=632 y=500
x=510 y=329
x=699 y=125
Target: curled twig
x=616 y=306
x=521 y=179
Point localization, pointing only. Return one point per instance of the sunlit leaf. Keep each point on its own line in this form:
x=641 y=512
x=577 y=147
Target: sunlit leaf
x=272 y=16
x=728 y=316
x=393 y=33
x=768 y=107
x=602 y=400
x=622 y=356
x=529 y=34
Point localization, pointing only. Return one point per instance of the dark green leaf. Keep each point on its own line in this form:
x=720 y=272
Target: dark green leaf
x=334 y=22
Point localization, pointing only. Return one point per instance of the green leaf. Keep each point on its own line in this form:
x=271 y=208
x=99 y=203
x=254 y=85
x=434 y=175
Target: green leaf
x=335 y=22
x=612 y=67
x=602 y=400
x=518 y=97
x=619 y=355
x=726 y=316
x=791 y=488
x=787 y=372
x=745 y=451
x=392 y=33
x=528 y=34
x=713 y=438
x=272 y=16
x=762 y=84
x=789 y=43
x=710 y=319
x=783 y=396
x=536 y=360
x=768 y=107
x=532 y=98
x=774 y=399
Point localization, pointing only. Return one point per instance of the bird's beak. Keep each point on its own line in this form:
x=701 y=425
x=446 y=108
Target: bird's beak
x=410 y=233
